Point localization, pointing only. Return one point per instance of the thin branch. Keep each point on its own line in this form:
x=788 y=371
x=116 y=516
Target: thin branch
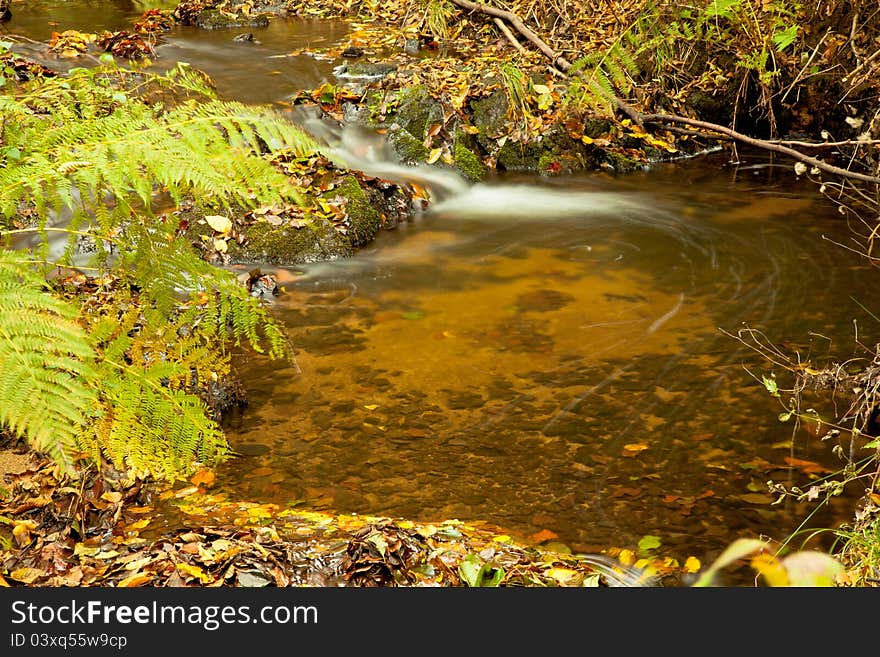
x=506 y=31
x=761 y=143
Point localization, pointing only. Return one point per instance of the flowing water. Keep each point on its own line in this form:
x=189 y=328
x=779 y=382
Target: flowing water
x=551 y=356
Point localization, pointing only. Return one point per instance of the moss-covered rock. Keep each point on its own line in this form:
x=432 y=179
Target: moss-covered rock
x=214 y=19
x=466 y=161
x=285 y=245
x=364 y=219
x=409 y=149
x=417 y=110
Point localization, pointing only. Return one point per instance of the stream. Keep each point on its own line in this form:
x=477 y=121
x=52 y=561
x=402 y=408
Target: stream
x=552 y=357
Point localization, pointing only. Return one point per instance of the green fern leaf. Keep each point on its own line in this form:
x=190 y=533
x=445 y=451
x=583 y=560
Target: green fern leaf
x=46 y=360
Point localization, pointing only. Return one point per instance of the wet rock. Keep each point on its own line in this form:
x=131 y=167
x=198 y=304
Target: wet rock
x=353 y=52
x=245 y=37
x=363 y=71
x=285 y=245
x=214 y=19
x=411 y=47
x=363 y=220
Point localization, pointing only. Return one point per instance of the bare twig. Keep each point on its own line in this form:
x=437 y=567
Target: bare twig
x=506 y=31
x=761 y=143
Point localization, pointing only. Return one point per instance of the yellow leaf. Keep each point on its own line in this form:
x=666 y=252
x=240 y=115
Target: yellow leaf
x=112 y=497
x=138 y=563
x=194 y=571
x=219 y=223
x=22 y=532
x=586 y=140
x=138 y=579
x=626 y=557
x=138 y=524
x=371 y=407
x=80 y=550
x=26 y=575
x=541 y=88
x=502 y=538
x=106 y=554
x=692 y=565
x=434 y=155
x=564 y=575
x=773 y=571
x=219 y=245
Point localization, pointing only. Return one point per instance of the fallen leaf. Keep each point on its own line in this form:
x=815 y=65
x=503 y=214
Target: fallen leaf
x=194 y=571
x=219 y=223
x=138 y=579
x=184 y=492
x=204 y=477
x=26 y=575
x=543 y=535
x=631 y=449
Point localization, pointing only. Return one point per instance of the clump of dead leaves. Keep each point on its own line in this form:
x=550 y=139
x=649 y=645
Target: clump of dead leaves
x=100 y=529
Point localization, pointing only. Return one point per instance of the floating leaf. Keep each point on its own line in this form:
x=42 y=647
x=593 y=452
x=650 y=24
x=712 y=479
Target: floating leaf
x=543 y=536
x=648 y=543
x=203 y=477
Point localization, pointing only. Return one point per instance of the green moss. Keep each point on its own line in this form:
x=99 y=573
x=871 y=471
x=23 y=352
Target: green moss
x=285 y=245
x=214 y=19
x=596 y=128
x=416 y=110
x=364 y=219
x=467 y=162
x=622 y=164
x=409 y=149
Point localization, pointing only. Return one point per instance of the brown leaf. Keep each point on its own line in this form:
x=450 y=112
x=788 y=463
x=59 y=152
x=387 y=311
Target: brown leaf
x=204 y=478
x=543 y=535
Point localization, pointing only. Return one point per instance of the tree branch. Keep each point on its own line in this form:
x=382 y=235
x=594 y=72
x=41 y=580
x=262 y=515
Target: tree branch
x=760 y=143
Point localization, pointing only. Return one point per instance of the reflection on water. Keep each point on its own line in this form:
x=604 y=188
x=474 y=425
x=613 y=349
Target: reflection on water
x=265 y=70
x=563 y=373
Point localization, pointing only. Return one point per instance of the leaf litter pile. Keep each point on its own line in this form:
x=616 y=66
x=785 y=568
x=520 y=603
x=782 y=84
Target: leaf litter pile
x=104 y=531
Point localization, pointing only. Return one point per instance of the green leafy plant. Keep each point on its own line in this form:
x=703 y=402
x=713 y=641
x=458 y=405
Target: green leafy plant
x=477 y=573
x=87 y=156
x=601 y=76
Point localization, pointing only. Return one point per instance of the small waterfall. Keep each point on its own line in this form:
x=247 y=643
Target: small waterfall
x=451 y=195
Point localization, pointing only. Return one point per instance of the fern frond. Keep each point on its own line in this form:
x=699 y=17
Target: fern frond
x=46 y=362
x=149 y=429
